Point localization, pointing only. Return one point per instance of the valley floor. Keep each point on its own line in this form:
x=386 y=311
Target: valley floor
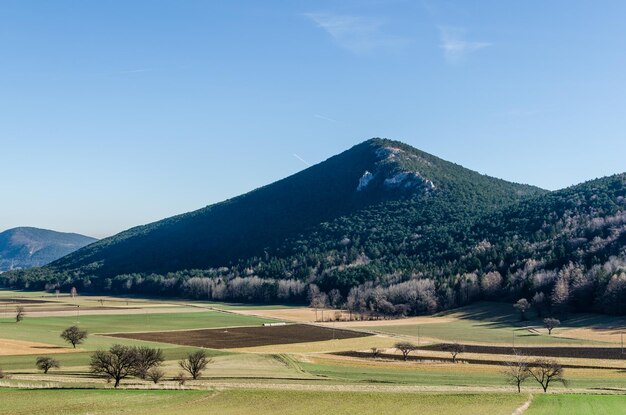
x=324 y=371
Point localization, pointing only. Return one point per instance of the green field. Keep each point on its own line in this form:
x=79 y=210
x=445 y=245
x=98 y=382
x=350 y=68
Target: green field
x=101 y=402
x=497 y=323
x=47 y=329
x=298 y=379
x=578 y=405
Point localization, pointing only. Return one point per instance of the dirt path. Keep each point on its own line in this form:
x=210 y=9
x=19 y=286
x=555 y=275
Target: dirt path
x=524 y=407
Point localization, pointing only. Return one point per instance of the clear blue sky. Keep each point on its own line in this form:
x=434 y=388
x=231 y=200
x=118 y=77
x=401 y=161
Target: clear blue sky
x=118 y=113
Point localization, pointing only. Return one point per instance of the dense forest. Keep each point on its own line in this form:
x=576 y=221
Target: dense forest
x=381 y=229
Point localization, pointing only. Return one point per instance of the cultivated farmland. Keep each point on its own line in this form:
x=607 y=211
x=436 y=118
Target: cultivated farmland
x=337 y=366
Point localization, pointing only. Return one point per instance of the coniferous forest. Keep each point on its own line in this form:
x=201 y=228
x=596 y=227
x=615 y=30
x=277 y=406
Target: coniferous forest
x=382 y=229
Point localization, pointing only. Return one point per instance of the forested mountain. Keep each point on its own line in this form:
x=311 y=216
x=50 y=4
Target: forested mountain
x=382 y=228
x=32 y=247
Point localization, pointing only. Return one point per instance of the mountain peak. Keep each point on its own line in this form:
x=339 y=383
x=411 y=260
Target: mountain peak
x=263 y=221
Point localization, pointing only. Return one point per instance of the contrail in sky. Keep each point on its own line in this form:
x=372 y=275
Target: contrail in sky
x=302 y=160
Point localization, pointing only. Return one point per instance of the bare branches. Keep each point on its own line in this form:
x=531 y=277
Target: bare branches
x=545 y=371
x=405 y=348
x=454 y=349
x=195 y=363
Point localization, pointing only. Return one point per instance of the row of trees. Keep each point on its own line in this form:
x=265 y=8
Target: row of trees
x=120 y=362
x=517 y=372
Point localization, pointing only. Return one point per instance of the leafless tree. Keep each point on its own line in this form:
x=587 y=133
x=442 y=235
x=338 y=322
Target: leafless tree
x=454 y=349
x=550 y=324
x=147 y=358
x=545 y=371
x=522 y=305
x=20 y=312
x=491 y=283
x=405 y=348
x=118 y=362
x=516 y=372
x=539 y=303
x=74 y=335
x=335 y=298
x=195 y=363
x=181 y=378
x=45 y=363
x=155 y=374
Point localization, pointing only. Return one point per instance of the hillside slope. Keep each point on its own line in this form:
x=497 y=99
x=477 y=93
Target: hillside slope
x=257 y=223
x=382 y=228
x=26 y=247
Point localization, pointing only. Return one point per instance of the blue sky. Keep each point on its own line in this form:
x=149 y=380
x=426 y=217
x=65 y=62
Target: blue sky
x=119 y=113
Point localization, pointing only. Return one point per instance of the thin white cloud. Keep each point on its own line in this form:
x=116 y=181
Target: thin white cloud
x=302 y=160
x=358 y=34
x=323 y=117
x=454 y=45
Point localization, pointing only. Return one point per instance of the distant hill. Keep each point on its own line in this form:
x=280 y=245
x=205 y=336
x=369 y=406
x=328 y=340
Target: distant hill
x=381 y=228
x=32 y=247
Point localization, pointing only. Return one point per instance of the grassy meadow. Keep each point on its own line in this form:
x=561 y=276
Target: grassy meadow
x=299 y=378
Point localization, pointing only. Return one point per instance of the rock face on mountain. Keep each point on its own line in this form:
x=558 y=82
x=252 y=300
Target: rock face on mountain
x=32 y=247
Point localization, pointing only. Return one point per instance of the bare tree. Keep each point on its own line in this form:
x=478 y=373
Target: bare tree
x=335 y=298
x=147 y=358
x=45 y=363
x=313 y=295
x=118 y=362
x=20 y=312
x=550 y=324
x=181 y=378
x=405 y=348
x=516 y=372
x=74 y=335
x=522 y=305
x=195 y=363
x=539 y=303
x=454 y=349
x=155 y=374
x=545 y=371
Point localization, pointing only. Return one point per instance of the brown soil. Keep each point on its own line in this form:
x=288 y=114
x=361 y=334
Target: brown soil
x=245 y=336
x=545 y=351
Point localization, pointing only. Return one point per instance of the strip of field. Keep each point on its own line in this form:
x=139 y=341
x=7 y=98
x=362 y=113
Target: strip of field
x=17 y=347
x=615 y=353
x=245 y=336
x=577 y=405
x=478 y=359
x=71 y=402
x=48 y=329
x=20 y=301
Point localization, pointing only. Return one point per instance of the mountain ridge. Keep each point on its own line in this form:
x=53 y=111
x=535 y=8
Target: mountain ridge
x=26 y=247
x=381 y=228
x=333 y=183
